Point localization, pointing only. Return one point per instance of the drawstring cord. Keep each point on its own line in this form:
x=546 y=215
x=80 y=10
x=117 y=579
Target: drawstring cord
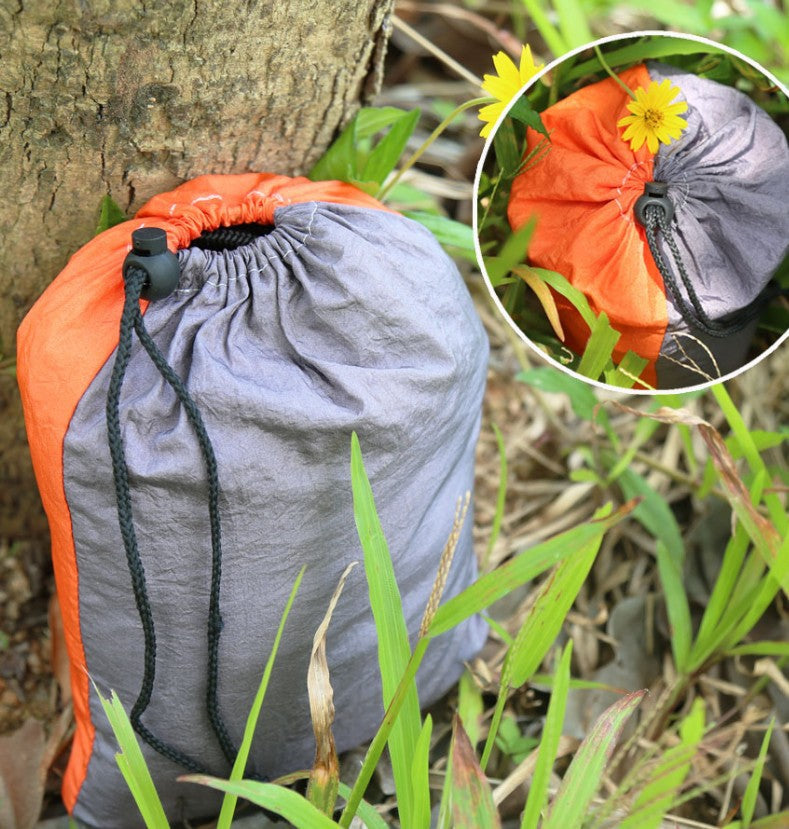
x=654 y=210
x=139 y=278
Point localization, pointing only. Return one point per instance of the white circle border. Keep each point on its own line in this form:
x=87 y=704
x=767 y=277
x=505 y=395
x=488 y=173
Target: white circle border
x=475 y=210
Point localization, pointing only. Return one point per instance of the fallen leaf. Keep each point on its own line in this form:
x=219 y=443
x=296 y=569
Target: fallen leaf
x=21 y=780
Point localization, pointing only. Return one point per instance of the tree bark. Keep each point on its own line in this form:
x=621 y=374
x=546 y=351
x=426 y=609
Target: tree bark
x=131 y=98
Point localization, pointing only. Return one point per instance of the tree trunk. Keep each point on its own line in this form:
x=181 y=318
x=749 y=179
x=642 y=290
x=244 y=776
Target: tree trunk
x=131 y=98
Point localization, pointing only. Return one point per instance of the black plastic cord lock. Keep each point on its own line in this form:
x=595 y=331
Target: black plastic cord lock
x=655 y=192
x=150 y=254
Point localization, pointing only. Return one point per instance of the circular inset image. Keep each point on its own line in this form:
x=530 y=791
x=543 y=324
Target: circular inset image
x=631 y=212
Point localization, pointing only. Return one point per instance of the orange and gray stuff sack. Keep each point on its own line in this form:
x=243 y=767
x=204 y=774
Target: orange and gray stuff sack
x=723 y=186
x=203 y=439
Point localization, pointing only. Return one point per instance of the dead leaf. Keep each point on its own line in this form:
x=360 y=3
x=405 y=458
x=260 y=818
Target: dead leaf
x=544 y=295
x=759 y=528
x=58 y=654
x=472 y=799
x=325 y=775
x=21 y=781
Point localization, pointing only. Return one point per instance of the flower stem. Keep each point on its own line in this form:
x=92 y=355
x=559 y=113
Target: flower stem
x=613 y=74
x=386 y=189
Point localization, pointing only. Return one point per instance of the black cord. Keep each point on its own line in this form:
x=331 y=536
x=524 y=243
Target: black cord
x=131 y=318
x=694 y=313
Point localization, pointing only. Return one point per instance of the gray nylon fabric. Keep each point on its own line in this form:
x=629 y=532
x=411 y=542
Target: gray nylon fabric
x=728 y=177
x=340 y=319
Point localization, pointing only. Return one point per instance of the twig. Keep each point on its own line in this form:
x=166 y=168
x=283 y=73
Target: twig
x=436 y=52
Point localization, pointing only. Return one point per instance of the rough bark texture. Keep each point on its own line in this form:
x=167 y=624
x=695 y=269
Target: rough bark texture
x=130 y=98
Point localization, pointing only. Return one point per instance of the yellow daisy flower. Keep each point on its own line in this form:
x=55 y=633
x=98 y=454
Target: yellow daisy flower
x=654 y=118
x=506 y=85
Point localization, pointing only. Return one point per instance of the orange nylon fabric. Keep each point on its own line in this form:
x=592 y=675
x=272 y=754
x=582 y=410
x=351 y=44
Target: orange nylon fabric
x=71 y=332
x=582 y=193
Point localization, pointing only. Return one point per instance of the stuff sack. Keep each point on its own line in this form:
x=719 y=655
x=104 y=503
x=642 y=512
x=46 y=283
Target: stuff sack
x=725 y=181
x=319 y=313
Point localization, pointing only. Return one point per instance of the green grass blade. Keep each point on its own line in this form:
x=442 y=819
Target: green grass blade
x=549 y=742
x=540 y=628
x=420 y=778
x=470 y=706
x=472 y=799
x=572 y=23
x=284 y=802
x=394 y=651
x=582 y=780
x=546 y=616
x=657 y=796
x=580 y=394
x=449 y=232
x=642 y=50
x=550 y=34
x=656 y=516
x=752 y=789
x=599 y=348
x=512 y=253
x=501 y=497
x=229 y=801
x=366 y=812
x=522 y=568
x=132 y=764
x=378 y=743
x=780 y=649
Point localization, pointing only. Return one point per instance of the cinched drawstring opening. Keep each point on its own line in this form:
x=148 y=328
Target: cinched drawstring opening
x=654 y=210
x=152 y=271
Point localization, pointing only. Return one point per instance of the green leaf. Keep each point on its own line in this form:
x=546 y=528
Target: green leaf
x=383 y=159
x=654 y=48
x=628 y=372
x=132 y=763
x=583 y=777
x=549 y=742
x=284 y=802
x=581 y=395
x=523 y=111
x=420 y=778
x=599 y=348
x=752 y=789
x=577 y=298
x=512 y=253
x=447 y=231
x=518 y=570
x=372 y=120
x=339 y=162
x=780 y=649
x=505 y=145
x=394 y=650
x=110 y=215
x=572 y=23
x=229 y=801
x=472 y=799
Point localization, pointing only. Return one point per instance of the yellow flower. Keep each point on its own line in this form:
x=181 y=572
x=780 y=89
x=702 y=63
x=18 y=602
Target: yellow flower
x=506 y=85
x=654 y=117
